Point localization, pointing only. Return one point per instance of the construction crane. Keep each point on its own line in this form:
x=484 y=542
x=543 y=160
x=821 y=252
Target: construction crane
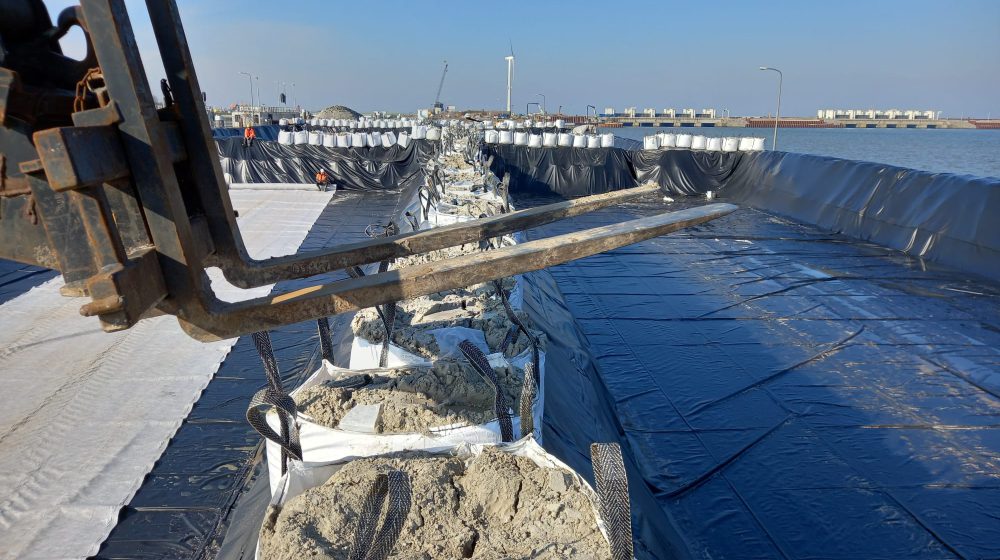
x=438 y=106
x=128 y=201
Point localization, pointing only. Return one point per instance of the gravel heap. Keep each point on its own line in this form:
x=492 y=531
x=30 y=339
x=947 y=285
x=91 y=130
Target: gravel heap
x=495 y=506
x=338 y=112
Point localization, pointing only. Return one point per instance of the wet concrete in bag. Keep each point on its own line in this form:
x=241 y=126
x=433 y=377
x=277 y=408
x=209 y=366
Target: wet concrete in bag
x=197 y=492
x=787 y=392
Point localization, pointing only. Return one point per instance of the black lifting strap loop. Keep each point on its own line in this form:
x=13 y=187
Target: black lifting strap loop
x=386 y=313
x=274 y=395
x=512 y=335
x=482 y=366
x=612 y=491
x=370 y=541
x=325 y=338
x=529 y=392
x=284 y=405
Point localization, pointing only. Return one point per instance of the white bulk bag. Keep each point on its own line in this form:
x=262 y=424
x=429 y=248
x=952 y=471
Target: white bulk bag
x=418 y=132
x=344 y=140
x=730 y=144
x=520 y=138
x=746 y=144
x=388 y=139
x=651 y=142
x=506 y=137
x=758 y=144
x=330 y=140
x=668 y=140
x=534 y=140
x=359 y=139
x=714 y=145
x=315 y=138
x=560 y=123
x=579 y=141
x=565 y=139
x=313 y=122
x=608 y=140
x=374 y=139
x=699 y=143
x=593 y=141
x=491 y=137
x=301 y=137
x=283 y=122
x=403 y=140
x=549 y=139
x=683 y=140
x=433 y=133
x=285 y=137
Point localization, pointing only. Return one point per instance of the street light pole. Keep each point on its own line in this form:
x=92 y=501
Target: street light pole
x=777 y=112
x=250 y=79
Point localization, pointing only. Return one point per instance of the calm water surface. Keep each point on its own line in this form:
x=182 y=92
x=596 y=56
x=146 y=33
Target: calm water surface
x=965 y=152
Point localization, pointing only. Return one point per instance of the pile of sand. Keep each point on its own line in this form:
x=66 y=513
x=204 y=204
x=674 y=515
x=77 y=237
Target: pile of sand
x=338 y=112
x=416 y=398
x=498 y=506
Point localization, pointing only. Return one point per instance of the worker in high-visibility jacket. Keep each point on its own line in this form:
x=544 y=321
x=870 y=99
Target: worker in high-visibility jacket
x=248 y=136
x=322 y=180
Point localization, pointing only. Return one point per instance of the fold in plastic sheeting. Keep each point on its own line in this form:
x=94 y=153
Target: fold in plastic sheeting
x=87 y=413
x=938 y=216
x=946 y=218
x=364 y=169
x=568 y=172
x=780 y=391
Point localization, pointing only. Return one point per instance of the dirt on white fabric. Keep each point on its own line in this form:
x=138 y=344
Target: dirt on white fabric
x=493 y=506
x=415 y=399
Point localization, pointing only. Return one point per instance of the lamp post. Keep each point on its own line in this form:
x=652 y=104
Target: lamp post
x=544 y=112
x=777 y=112
x=250 y=79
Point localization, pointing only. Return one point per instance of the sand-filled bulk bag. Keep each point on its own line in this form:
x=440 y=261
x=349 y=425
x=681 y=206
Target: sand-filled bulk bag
x=683 y=140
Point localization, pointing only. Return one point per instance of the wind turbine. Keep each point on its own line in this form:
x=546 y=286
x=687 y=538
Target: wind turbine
x=510 y=75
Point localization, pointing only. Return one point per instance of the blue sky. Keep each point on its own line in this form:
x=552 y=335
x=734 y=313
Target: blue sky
x=921 y=54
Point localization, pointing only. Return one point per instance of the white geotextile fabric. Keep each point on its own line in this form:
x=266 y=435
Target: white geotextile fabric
x=86 y=413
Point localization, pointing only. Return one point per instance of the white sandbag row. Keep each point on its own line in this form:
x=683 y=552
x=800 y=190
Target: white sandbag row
x=527 y=123
x=670 y=140
x=549 y=139
x=387 y=124
x=344 y=139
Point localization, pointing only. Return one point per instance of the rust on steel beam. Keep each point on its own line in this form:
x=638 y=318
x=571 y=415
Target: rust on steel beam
x=311 y=263
x=358 y=293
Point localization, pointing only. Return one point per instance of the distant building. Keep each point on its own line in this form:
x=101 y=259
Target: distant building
x=875 y=114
